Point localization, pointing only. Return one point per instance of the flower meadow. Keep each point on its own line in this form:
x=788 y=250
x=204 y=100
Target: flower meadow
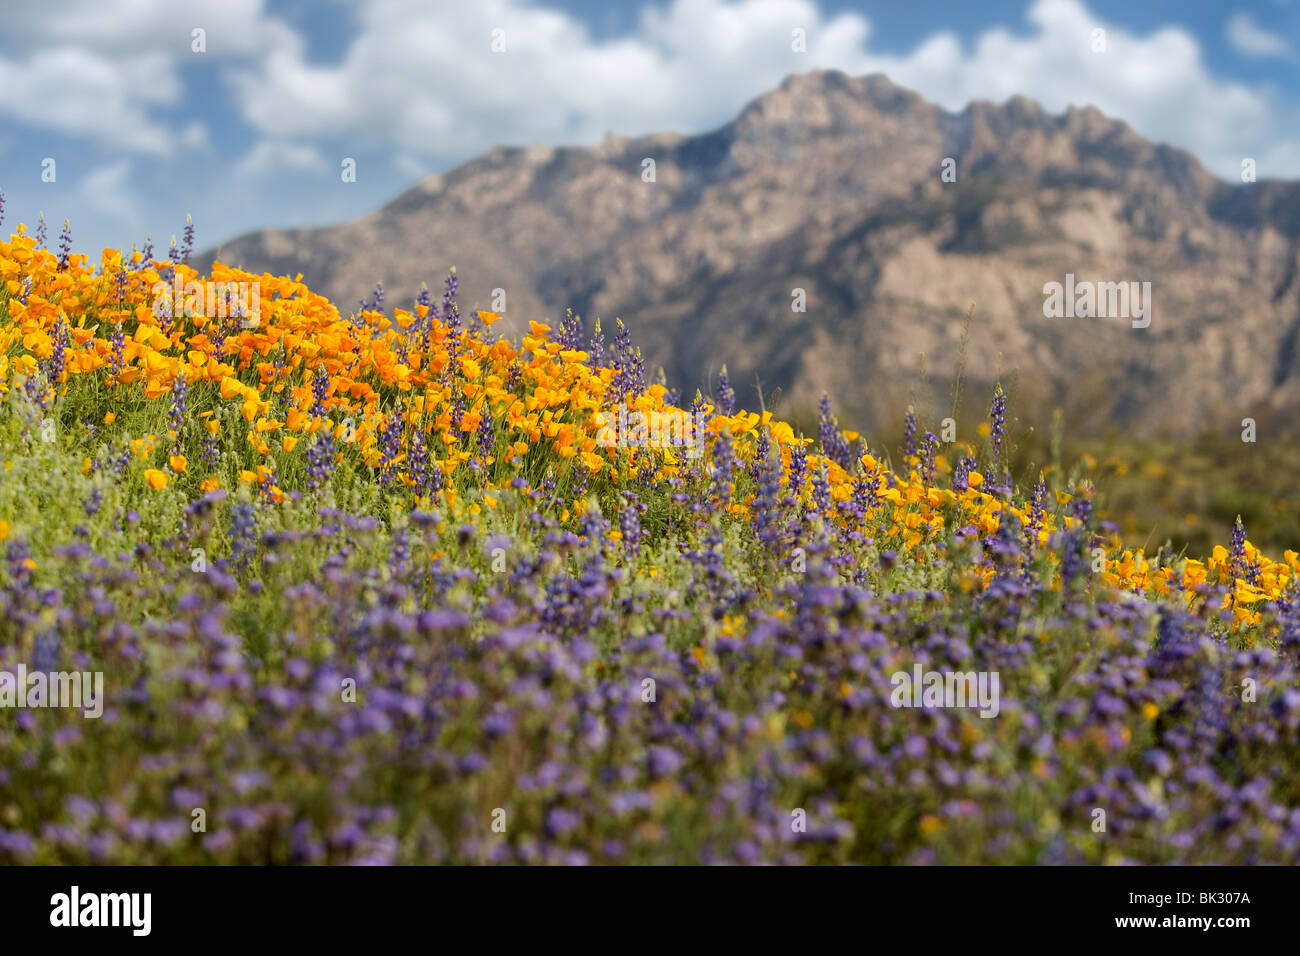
x=377 y=588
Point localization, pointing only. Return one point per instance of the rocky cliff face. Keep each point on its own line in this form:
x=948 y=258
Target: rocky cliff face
x=832 y=185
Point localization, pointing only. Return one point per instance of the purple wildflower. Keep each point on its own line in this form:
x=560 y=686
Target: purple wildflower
x=188 y=242
x=179 y=408
x=65 y=246
x=596 y=350
x=998 y=421
x=629 y=523
x=726 y=394
x=486 y=432
x=571 y=332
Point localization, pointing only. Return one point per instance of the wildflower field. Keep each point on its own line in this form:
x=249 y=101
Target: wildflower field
x=377 y=588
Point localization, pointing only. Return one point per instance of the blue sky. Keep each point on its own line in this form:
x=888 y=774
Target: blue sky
x=251 y=132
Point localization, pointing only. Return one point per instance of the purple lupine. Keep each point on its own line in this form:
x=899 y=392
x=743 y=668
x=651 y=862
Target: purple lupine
x=596 y=350
x=58 y=357
x=211 y=452
x=929 y=443
x=399 y=556
x=187 y=246
x=909 y=434
x=834 y=445
x=1036 y=517
x=37 y=389
x=629 y=369
x=264 y=488
x=629 y=523
x=726 y=394
x=65 y=246
x=165 y=317
x=866 y=494
x=320 y=387
x=826 y=431
x=998 y=422
x=1004 y=545
x=571 y=332
x=1073 y=555
x=374 y=304
x=2 y=207
x=724 y=463
x=40 y=232
x=390 y=443
x=1081 y=510
x=961 y=473
x=179 y=409
x=120 y=282
x=457 y=410
x=765 y=509
x=672 y=397
x=120 y=461
x=762 y=447
x=173 y=260
x=821 y=490
x=424 y=325
x=486 y=432
x=514 y=377
x=798 y=467
x=636 y=374
x=320 y=460
x=1241 y=566
x=450 y=309
x=243 y=533
x=146 y=254
x=426 y=476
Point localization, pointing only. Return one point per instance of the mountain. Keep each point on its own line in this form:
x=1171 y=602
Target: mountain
x=832 y=184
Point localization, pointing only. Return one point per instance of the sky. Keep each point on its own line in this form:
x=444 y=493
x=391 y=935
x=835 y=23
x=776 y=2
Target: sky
x=124 y=116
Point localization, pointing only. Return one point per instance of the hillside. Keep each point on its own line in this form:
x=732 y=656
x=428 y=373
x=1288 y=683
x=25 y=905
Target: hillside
x=342 y=594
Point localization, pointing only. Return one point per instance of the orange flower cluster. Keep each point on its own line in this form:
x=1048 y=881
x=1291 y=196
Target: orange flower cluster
x=105 y=320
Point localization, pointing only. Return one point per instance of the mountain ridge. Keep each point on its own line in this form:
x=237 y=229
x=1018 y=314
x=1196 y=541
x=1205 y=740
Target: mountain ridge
x=831 y=184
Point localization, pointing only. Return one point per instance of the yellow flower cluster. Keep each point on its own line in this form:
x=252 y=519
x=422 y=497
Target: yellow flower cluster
x=443 y=382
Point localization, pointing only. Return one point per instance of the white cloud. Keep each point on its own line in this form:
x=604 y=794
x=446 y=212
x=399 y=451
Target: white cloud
x=1148 y=81
x=422 y=77
x=106 y=191
x=80 y=93
x=411 y=165
x=1249 y=39
x=272 y=156
x=99 y=69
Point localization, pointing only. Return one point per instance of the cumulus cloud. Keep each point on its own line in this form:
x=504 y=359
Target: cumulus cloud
x=271 y=156
x=423 y=78
x=106 y=191
x=81 y=93
x=1249 y=39
x=101 y=69
x=1148 y=81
